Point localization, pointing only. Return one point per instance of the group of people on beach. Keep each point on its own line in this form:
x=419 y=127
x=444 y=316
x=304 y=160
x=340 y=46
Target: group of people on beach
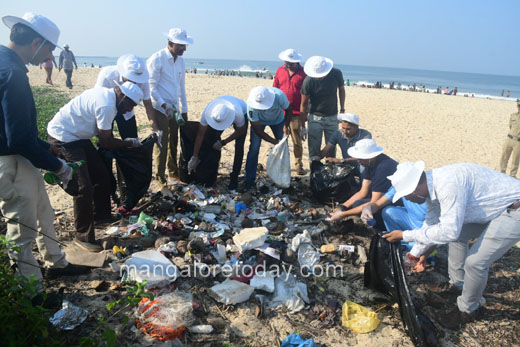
x=448 y=205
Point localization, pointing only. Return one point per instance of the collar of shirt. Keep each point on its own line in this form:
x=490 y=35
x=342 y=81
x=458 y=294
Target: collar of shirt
x=15 y=58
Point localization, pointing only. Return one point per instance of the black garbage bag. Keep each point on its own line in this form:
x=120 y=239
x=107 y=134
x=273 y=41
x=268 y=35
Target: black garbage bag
x=207 y=170
x=135 y=166
x=384 y=272
x=332 y=182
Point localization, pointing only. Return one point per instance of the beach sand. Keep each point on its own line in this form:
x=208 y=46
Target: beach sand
x=438 y=129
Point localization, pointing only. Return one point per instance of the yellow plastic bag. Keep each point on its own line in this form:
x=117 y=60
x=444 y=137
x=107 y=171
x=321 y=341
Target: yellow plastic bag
x=358 y=318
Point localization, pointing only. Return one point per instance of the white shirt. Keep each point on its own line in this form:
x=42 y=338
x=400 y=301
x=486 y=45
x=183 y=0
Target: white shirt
x=167 y=80
x=107 y=78
x=81 y=118
x=239 y=106
x=460 y=194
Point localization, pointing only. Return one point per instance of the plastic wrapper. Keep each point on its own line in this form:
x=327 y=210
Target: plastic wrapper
x=289 y=293
x=295 y=340
x=167 y=316
x=308 y=257
x=358 y=318
x=69 y=316
x=231 y=292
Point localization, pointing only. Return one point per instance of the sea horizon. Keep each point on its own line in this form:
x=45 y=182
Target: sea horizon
x=467 y=83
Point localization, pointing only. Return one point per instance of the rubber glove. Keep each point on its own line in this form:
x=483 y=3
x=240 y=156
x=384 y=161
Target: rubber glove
x=366 y=213
x=303 y=133
x=217 y=145
x=64 y=173
x=192 y=164
x=159 y=133
x=134 y=140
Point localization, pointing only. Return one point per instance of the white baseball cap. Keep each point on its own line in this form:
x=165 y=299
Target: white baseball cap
x=317 y=66
x=290 y=55
x=261 y=98
x=131 y=91
x=41 y=24
x=365 y=149
x=348 y=117
x=220 y=114
x=406 y=178
x=66 y=45
x=179 y=36
x=132 y=68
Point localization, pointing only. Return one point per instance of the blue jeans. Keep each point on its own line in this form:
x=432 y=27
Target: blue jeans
x=254 y=149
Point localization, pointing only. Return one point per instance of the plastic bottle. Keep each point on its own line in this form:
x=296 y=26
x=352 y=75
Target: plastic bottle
x=178 y=116
x=53 y=179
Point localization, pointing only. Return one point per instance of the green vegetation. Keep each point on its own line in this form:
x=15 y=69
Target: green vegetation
x=48 y=101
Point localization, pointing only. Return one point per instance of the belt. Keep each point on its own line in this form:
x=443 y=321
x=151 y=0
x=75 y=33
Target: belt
x=515 y=206
x=513 y=137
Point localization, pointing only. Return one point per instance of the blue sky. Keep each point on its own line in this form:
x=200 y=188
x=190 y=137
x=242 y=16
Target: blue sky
x=466 y=36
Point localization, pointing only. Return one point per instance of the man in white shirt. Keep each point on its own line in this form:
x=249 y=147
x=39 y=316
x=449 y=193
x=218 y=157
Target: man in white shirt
x=72 y=128
x=464 y=201
x=133 y=69
x=218 y=115
x=167 y=87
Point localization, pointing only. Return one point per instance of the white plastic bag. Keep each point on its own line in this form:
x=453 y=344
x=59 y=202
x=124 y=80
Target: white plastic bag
x=279 y=164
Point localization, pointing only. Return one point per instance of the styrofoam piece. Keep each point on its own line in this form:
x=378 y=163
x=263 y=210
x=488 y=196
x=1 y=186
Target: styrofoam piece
x=201 y=329
x=250 y=238
x=263 y=281
x=151 y=266
x=231 y=292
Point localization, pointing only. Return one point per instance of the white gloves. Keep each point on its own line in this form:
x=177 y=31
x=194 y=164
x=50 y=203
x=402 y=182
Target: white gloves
x=170 y=112
x=303 y=133
x=64 y=173
x=218 y=145
x=134 y=140
x=366 y=213
x=337 y=215
x=192 y=164
x=314 y=158
x=159 y=137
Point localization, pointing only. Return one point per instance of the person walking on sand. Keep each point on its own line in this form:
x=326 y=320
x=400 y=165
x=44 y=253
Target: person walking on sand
x=67 y=59
x=167 y=87
x=289 y=79
x=47 y=66
x=23 y=198
x=319 y=105
x=511 y=147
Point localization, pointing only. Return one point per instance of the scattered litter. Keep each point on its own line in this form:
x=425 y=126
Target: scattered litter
x=150 y=266
x=231 y=292
x=295 y=340
x=289 y=293
x=263 y=281
x=201 y=329
x=69 y=317
x=358 y=318
x=250 y=238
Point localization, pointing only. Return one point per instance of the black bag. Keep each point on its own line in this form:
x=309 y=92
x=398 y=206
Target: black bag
x=135 y=166
x=207 y=170
x=332 y=182
x=384 y=272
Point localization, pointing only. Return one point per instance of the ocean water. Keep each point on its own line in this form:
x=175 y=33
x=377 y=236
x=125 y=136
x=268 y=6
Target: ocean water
x=481 y=85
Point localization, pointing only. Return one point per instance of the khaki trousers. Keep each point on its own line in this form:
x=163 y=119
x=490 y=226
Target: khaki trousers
x=23 y=198
x=295 y=127
x=511 y=148
x=170 y=137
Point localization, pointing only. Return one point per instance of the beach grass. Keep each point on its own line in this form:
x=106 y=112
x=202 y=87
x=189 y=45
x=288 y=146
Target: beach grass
x=48 y=102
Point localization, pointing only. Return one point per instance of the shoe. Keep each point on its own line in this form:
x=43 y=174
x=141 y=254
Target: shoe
x=455 y=319
x=87 y=246
x=300 y=170
x=69 y=270
x=446 y=288
x=233 y=184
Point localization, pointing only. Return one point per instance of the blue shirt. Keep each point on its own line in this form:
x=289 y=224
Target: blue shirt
x=417 y=212
x=18 y=128
x=273 y=115
x=377 y=174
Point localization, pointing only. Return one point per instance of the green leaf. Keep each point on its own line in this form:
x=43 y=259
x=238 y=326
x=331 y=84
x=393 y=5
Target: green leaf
x=109 y=336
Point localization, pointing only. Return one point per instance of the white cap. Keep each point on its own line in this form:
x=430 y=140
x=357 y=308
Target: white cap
x=317 y=66
x=261 y=98
x=179 y=36
x=131 y=91
x=220 y=114
x=41 y=24
x=132 y=68
x=348 y=117
x=365 y=149
x=290 y=55
x=406 y=178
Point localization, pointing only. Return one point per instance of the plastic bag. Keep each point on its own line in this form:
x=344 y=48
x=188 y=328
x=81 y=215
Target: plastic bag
x=295 y=340
x=207 y=170
x=167 y=316
x=134 y=170
x=279 y=164
x=358 y=318
x=289 y=293
x=332 y=182
x=385 y=272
